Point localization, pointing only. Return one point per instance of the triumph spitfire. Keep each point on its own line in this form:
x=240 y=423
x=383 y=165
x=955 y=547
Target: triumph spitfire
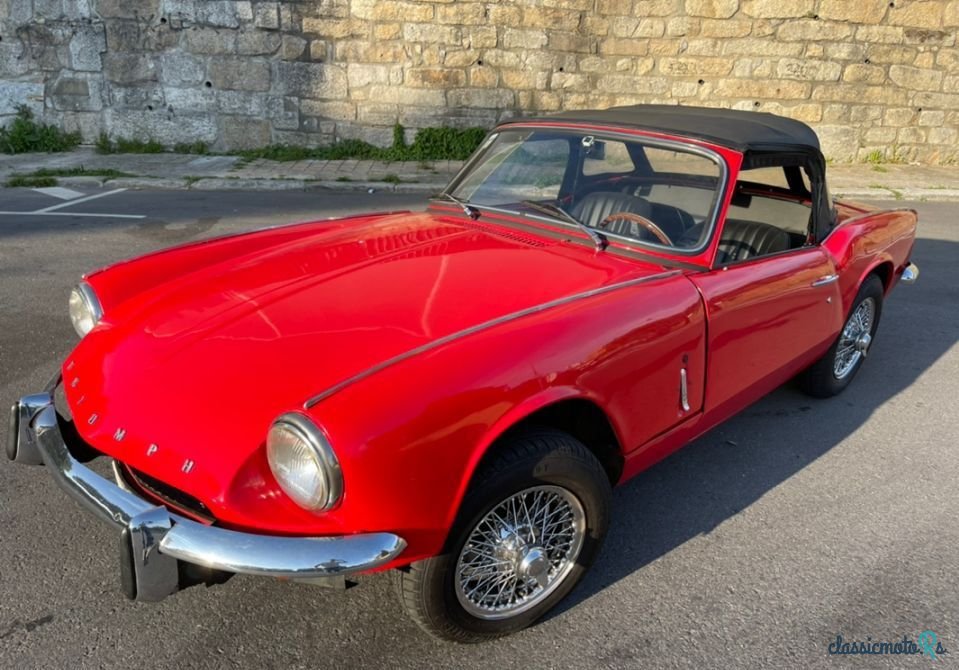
x=450 y=394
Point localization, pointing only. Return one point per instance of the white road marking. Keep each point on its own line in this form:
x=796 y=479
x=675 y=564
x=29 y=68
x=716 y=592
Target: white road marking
x=51 y=211
x=43 y=212
x=71 y=203
x=60 y=192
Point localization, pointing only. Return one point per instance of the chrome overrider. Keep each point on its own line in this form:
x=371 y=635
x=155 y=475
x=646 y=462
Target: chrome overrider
x=910 y=274
x=154 y=539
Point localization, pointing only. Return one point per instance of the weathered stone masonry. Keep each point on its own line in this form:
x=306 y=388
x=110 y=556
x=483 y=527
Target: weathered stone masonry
x=869 y=75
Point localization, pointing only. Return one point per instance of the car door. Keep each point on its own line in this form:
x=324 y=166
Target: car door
x=768 y=318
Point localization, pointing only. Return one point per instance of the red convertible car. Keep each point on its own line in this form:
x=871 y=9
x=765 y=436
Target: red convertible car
x=450 y=394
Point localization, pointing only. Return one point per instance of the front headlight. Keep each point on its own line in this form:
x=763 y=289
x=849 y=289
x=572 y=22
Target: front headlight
x=303 y=463
x=85 y=310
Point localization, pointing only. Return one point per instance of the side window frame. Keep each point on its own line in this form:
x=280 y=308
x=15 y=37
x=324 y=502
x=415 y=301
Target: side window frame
x=793 y=163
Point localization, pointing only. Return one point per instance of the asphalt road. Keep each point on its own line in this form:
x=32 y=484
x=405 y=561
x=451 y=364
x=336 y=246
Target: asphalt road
x=753 y=547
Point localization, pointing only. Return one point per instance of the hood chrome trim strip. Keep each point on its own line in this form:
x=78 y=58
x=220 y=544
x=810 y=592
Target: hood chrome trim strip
x=339 y=386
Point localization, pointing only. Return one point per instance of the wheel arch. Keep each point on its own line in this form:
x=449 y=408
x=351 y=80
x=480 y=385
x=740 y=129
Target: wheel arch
x=565 y=409
x=882 y=266
x=883 y=269
x=581 y=418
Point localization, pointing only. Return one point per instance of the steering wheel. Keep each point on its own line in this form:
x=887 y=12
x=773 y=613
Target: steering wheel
x=641 y=220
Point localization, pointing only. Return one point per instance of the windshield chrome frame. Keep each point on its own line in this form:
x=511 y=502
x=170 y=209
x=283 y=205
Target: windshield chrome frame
x=659 y=143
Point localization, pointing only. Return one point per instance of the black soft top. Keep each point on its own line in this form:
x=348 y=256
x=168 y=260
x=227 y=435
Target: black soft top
x=739 y=130
x=765 y=140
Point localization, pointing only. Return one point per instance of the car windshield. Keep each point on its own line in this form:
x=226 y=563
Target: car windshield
x=638 y=190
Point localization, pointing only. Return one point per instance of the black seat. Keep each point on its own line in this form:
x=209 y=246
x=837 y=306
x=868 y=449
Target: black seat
x=594 y=207
x=674 y=221
x=744 y=239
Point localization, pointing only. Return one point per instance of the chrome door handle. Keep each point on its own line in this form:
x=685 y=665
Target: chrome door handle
x=683 y=390
x=828 y=279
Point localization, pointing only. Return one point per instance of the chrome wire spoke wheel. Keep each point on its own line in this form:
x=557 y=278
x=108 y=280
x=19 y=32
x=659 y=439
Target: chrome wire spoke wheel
x=855 y=339
x=520 y=552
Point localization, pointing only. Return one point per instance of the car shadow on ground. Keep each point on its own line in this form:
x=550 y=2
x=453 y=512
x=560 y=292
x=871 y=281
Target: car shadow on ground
x=719 y=475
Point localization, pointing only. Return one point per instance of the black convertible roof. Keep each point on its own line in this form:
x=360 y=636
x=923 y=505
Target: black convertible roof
x=739 y=130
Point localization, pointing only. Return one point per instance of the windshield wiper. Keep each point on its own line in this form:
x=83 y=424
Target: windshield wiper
x=468 y=209
x=555 y=210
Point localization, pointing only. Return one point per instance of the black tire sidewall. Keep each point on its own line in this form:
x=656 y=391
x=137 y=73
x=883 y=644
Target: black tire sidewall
x=563 y=467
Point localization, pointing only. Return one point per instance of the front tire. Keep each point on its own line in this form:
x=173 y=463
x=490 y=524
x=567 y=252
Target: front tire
x=832 y=373
x=529 y=527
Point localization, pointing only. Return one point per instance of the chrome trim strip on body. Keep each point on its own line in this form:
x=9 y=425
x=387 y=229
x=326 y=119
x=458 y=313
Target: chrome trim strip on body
x=313 y=401
x=155 y=538
x=641 y=137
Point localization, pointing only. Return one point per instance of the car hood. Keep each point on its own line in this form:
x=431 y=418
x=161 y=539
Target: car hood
x=183 y=380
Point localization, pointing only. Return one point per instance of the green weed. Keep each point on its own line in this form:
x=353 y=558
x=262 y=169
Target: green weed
x=27 y=181
x=429 y=144
x=25 y=134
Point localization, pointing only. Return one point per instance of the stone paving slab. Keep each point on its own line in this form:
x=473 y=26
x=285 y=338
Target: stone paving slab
x=183 y=171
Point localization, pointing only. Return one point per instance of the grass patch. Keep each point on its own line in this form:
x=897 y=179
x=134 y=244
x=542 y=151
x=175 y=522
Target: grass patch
x=392 y=179
x=198 y=148
x=429 y=144
x=29 y=181
x=127 y=146
x=897 y=195
x=103 y=144
x=81 y=171
x=123 y=145
x=879 y=168
x=47 y=176
x=25 y=134
x=343 y=178
x=877 y=157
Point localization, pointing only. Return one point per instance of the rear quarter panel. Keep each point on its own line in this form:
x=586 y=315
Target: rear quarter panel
x=875 y=239
x=410 y=437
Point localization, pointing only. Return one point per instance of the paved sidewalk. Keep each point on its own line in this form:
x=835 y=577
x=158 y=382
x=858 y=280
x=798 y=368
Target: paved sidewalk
x=178 y=171
x=182 y=171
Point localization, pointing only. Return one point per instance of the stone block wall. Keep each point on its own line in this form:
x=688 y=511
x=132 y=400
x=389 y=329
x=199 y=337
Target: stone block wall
x=870 y=75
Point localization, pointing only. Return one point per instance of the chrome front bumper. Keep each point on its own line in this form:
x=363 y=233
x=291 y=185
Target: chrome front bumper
x=154 y=540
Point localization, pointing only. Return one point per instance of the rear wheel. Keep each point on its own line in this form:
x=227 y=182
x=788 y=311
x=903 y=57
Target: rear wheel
x=530 y=526
x=833 y=372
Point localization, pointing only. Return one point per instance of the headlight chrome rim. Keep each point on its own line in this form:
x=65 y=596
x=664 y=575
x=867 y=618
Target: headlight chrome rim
x=322 y=453
x=90 y=303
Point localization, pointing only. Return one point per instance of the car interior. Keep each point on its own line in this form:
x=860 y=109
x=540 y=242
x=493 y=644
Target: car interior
x=656 y=194
x=769 y=213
